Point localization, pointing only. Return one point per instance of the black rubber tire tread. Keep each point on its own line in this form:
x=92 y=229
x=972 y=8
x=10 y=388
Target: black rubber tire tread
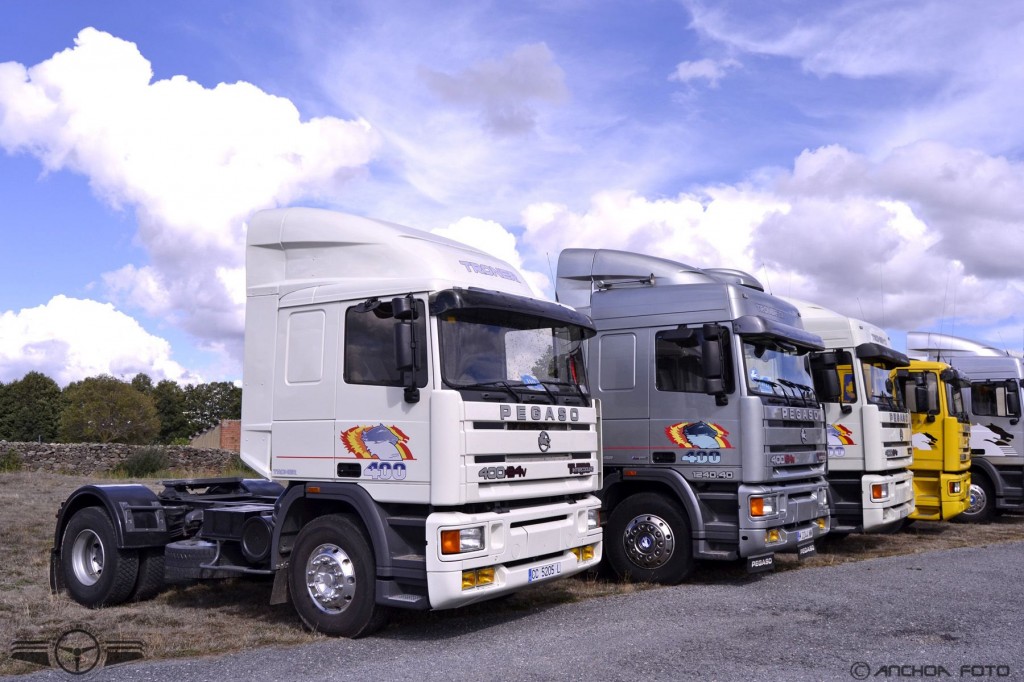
x=120 y=566
x=151 y=574
x=364 y=615
x=679 y=566
x=988 y=511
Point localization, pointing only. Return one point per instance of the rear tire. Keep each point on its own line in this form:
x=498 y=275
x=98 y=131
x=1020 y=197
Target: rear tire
x=648 y=539
x=981 y=507
x=151 y=574
x=96 y=573
x=332 y=579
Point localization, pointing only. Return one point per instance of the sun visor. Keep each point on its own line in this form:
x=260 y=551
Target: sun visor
x=755 y=325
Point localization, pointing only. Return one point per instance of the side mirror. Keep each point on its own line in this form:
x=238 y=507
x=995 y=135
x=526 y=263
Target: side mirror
x=826 y=378
x=404 y=311
x=714 y=363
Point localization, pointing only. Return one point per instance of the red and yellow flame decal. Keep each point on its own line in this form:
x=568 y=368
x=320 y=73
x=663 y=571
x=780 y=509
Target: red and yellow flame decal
x=354 y=443
x=844 y=434
x=676 y=434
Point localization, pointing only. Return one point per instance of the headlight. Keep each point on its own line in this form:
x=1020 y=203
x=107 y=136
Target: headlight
x=762 y=506
x=593 y=518
x=954 y=487
x=462 y=540
x=879 y=491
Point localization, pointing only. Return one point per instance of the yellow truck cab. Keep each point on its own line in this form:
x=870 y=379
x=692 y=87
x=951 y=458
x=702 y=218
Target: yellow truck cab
x=941 y=438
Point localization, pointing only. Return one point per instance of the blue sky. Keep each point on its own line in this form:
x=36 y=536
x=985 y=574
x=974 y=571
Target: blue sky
x=864 y=155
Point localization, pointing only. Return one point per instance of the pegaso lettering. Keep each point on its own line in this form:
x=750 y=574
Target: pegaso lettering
x=801 y=413
x=491 y=271
x=537 y=413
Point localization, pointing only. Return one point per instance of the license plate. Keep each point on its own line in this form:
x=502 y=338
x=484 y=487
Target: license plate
x=544 y=572
x=805 y=534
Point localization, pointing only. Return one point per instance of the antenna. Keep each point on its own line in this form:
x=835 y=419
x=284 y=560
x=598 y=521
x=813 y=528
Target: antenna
x=881 y=290
x=766 y=280
x=551 y=272
x=861 y=306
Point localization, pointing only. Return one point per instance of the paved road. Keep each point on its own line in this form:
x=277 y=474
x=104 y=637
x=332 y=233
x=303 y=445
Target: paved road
x=912 y=617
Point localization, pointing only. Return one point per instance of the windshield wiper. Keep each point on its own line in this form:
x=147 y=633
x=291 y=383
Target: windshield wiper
x=805 y=390
x=777 y=390
x=489 y=384
x=571 y=384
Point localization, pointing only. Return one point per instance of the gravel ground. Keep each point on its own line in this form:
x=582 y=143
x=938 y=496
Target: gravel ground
x=943 y=614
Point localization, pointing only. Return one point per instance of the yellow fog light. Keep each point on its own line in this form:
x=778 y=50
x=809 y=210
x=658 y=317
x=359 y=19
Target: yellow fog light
x=588 y=552
x=485 y=576
x=822 y=523
x=771 y=535
x=468 y=580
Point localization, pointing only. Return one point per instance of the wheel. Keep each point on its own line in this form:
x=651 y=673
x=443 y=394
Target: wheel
x=332 y=578
x=648 y=539
x=151 y=574
x=95 y=571
x=981 y=506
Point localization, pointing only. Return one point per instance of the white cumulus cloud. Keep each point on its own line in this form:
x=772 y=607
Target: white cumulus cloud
x=192 y=163
x=69 y=339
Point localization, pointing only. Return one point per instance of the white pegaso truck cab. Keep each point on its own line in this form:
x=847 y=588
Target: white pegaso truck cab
x=869 y=450
x=428 y=417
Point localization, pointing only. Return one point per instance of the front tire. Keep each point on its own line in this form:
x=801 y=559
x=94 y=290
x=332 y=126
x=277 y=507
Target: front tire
x=332 y=579
x=649 y=540
x=96 y=573
x=981 y=507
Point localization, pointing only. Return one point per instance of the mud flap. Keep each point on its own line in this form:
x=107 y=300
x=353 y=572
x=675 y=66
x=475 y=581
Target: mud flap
x=279 y=593
x=806 y=551
x=761 y=564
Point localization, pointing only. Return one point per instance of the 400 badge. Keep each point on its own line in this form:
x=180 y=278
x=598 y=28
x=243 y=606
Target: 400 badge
x=386 y=471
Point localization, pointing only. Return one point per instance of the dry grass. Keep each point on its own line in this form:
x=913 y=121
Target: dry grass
x=222 y=616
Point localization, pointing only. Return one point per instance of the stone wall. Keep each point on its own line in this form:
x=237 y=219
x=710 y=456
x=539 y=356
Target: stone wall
x=93 y=458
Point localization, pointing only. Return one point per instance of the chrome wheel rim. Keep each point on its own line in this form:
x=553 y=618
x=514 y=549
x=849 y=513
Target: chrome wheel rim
x=87 y=557
x=330 y=578
x=649 y=541
x=978 y=500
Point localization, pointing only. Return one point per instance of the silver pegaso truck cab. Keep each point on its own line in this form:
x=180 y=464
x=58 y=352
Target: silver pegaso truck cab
x=714 y=438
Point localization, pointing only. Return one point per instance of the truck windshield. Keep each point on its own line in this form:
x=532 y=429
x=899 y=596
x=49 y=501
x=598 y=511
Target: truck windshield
x=778 y=372
x=524 y=356
x=955 y=400
x=881 y=391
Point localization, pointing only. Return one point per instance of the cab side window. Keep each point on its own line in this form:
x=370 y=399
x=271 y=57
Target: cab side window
x=679 y=362
x=369 y=355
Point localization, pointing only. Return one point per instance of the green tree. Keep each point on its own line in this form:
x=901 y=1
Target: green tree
x=207 y=404
x=170 y=407
x=142 y=383
x=106 y=410
x=30 y=409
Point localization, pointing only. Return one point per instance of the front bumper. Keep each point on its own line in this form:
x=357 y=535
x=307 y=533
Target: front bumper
x=934 y=495
x=523 y=546
x=801 y=518
x=884 y=514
